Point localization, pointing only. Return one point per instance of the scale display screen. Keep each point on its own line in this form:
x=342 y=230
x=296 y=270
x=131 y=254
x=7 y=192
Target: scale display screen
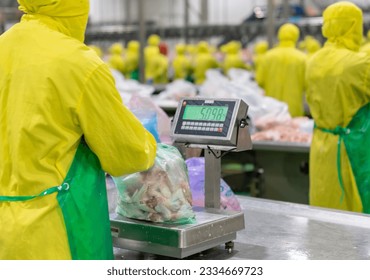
x=205 y=113
x=204 y=117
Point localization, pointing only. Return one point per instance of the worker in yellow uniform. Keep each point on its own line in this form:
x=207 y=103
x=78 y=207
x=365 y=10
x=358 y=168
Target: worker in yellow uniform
x=260 y=50
x=62 y=124
x=202 y=62
x=233 y=58
x=181 y=63
x=115 y=59
x=312 y=46
x=156 y=64
x=131 y=61
x=282 y=71
x=338 y=94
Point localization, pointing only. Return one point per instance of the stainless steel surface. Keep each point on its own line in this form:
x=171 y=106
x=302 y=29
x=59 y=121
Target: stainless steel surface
x=281 y=146
x=288 y=231
x=212 y=175
x=212 y=227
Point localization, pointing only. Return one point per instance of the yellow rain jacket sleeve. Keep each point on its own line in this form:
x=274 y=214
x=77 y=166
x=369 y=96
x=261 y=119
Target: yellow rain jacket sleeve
x=54 y=90
x=281 y=72
x=338 y=78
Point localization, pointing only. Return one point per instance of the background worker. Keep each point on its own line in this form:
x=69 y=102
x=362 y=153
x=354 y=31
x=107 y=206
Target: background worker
x=181 y=63
x=260 y=50
x=62 y=124
x=338 y=94
x=115 y=59
x=156 y=64
x=132 y=60
x=203 y=61
x=281 y=73
x=233 y=59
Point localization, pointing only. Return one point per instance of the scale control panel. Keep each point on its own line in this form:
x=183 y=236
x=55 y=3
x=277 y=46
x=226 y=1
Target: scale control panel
x=211 y=122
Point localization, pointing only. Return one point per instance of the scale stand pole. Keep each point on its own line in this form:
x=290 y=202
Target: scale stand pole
x=212 y=178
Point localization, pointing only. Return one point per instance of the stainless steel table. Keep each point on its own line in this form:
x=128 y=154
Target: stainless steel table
x=288 y=231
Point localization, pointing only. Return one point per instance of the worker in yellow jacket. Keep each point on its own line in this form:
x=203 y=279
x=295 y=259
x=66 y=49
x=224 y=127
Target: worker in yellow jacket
x=115 y=59
x=260 y=50
x=62 y=123
x=233 y=59
x=131 y=62
x=282 y=71
x=181 y=63
x=338 y=93
x=312 y=45
x=202 y=62
x=156 y=64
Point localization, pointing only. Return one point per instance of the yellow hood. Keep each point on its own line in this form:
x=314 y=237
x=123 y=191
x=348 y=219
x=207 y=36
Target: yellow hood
x=288 y=32
x=72 y=15
x=343 y=25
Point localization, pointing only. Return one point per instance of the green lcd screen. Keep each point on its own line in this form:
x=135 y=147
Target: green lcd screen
x=205 y=113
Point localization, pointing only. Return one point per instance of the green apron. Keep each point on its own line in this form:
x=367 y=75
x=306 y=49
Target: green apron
x=356 y=138
x=83 y=199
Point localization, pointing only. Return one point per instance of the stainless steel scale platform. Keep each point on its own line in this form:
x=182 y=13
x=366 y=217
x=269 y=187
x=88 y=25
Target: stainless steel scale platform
x=218 y=126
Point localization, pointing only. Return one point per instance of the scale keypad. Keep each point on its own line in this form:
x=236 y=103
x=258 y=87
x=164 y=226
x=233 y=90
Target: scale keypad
x=202 y=126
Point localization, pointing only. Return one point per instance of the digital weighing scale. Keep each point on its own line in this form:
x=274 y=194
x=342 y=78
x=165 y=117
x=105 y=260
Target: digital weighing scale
x=218 y=126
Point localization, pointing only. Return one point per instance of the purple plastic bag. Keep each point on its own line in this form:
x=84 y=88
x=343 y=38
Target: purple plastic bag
x=228 y=199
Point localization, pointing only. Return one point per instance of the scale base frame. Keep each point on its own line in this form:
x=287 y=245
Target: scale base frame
x=212 y=228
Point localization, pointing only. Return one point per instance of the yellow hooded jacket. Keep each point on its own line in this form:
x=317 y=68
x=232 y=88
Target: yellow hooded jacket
x=260 y=50
x=233 y=59
x=281 y=73
x=203 y=61
x=181 y=63
x=338 y=78
x=132 y=58
x=54 y=90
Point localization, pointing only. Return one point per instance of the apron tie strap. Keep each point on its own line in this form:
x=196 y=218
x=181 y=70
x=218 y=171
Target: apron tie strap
x=340 y=131
x=62 y=187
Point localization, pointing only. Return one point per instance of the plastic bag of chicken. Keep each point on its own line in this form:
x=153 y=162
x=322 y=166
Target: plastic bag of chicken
x=160 y=194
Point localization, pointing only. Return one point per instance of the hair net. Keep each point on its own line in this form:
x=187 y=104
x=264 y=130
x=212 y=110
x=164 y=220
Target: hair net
x=343 y=25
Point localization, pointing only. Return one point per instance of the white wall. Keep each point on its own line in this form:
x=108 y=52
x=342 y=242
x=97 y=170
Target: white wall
x=171 y=12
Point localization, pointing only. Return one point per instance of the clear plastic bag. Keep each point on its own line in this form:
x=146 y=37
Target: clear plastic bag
x=152 y=117
x=160 y=194
x=228 y=200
